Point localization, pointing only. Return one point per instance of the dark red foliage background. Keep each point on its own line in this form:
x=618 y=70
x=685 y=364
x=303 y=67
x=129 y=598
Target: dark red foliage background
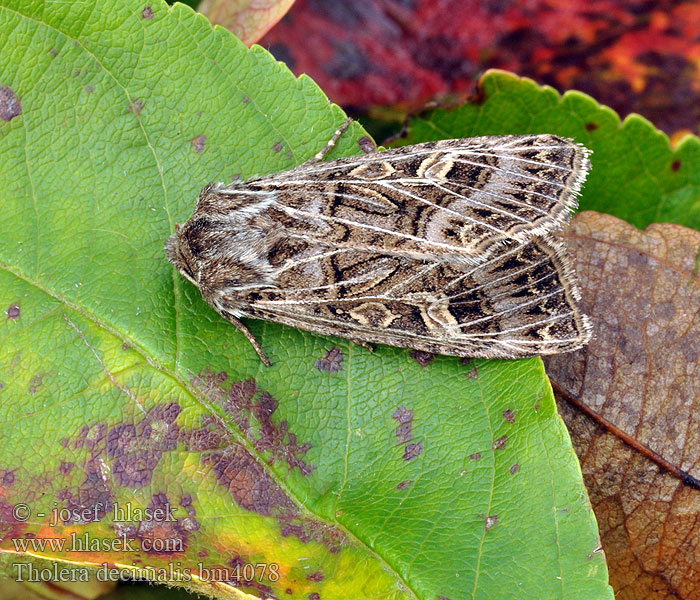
x=634 y=56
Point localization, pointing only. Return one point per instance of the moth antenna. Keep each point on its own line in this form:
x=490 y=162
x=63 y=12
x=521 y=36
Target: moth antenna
x=251 y=338
x=329 y=146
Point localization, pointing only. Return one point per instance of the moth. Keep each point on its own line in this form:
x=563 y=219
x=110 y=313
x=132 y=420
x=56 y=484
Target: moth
x=445 y=247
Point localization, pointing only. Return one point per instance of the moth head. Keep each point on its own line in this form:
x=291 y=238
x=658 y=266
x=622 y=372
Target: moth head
x=221 y=258
x=179 y=253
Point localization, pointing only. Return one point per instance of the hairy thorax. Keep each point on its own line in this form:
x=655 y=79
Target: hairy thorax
x=224 y=246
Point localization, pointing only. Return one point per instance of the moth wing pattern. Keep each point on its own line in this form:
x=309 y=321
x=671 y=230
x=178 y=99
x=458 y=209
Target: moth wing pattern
x=456 y=199
x=445 y=247
x=520 y=302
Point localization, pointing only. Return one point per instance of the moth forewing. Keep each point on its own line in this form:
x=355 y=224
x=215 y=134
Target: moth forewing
x=456 y=199
x=444 y=247
x=519 y=302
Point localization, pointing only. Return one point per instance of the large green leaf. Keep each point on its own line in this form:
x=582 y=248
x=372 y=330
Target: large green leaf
x=350 y=474
x=635 y=174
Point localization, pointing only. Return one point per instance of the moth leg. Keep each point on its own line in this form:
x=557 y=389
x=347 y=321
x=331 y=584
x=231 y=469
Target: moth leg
x=329 y=146
x=366 y=345
x=251 y=338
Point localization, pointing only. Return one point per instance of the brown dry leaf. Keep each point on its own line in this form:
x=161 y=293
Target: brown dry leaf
x=248 y=19
x=642 y=374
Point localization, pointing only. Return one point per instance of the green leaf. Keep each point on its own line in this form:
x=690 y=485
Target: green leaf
x=344 y=473
x=635 y=173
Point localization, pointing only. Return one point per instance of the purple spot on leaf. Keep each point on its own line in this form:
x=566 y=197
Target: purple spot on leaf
x=35 y=382
x=135 y=470
x=403 y=433
x=198 y=143
x=332 y=361
x=422 y=358
x=135 y=107
x=7 y=479
x=252 y=409
x=402 y=415
x=10 y=106
x=471 y=373
x=411 y=451
x=500 y=443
